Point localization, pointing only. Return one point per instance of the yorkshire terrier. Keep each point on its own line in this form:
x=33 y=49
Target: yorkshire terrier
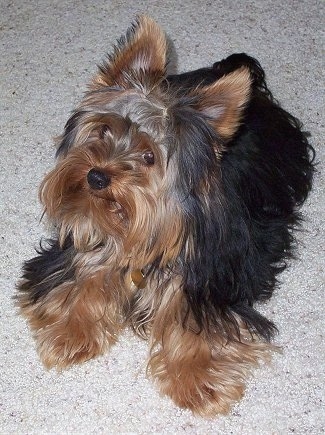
x=173 y=203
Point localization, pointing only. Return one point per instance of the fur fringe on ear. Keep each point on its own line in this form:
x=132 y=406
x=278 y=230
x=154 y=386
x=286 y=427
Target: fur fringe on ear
x=224 y=101
x=140 y=53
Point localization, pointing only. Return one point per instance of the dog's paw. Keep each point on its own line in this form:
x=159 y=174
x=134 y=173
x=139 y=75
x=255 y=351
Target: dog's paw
x=63 y=345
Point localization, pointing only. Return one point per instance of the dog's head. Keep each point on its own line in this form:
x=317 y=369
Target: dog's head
x=138 y=161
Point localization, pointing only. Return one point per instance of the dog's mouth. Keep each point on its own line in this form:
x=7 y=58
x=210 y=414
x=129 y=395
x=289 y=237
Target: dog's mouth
x=105 y=200
x=116 y=208
x=104 y=194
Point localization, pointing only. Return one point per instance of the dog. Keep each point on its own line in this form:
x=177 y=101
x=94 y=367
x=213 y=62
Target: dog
x=173 y=204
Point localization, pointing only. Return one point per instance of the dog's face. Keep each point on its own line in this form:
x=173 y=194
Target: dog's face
x=139 y=159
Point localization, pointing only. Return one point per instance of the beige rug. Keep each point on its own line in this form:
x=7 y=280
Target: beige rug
x=48 y=52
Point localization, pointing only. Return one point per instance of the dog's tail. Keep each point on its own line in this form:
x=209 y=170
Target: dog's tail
x=287 y=140
x=207 y=76
x=238 y=60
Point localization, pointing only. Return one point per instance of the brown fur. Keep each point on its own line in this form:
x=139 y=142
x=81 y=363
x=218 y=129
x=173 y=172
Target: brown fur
x=200 y=370
x=136 y=57
x=205 y=373
x=225 y=100
x=119 y=232
x=78 y=320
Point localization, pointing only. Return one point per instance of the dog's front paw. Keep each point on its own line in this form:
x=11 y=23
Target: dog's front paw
x=201 y=390
x=206 y=377
x=63 y=344
x=72 y=324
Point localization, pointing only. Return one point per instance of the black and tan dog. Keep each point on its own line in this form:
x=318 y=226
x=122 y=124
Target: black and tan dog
x=173 y=202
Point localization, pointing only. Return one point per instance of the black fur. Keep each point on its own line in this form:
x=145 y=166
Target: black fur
x=245 y=237
x=52 y=267
x=243 y=233
x=70 y=132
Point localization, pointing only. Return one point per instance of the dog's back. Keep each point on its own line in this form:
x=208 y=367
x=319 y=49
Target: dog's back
x=267 y=171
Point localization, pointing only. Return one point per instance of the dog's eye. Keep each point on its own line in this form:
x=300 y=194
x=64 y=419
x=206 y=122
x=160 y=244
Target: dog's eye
x=148 y=157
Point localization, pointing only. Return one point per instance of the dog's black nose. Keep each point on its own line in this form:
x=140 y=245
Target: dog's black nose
x=97 y=179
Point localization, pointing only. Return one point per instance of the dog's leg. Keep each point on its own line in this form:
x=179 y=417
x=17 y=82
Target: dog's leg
x=78 y=317
x=203 y=372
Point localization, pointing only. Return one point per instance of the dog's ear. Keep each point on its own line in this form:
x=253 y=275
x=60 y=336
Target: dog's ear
x=223 y=101
x=139 y=59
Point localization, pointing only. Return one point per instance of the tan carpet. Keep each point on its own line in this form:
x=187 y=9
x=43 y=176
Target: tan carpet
x=49 y=50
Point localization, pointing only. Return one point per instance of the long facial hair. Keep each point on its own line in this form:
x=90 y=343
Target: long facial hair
x=173 y=201
x=145 y=208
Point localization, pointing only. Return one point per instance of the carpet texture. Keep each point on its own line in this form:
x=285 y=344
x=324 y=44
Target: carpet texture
x=49 y=50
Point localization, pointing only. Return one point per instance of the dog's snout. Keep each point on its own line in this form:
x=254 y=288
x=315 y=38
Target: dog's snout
x=98 y=179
